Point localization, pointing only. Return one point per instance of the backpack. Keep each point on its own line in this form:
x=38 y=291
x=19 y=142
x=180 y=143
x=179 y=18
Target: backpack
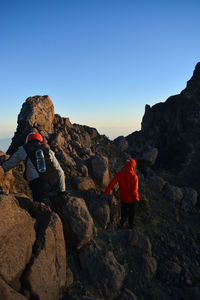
x=51 y=171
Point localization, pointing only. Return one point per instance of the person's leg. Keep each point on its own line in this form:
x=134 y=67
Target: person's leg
x=131 y=215
x=124 y=214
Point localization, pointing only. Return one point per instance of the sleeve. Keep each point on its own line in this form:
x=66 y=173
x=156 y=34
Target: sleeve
x=135 y=188
x=111 y=184
x=60 y=171
x=13 y=161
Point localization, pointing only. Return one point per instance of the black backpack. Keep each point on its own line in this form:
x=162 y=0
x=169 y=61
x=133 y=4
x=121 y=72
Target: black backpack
x=51 y=171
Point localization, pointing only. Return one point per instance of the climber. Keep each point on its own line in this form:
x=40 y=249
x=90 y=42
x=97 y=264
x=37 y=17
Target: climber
x=46 y=182
x=128 y=189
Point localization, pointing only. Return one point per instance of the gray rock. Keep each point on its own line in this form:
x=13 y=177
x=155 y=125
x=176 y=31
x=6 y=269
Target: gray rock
x=140 y=241
x=121 y=142
x=77 y=222
x=189 y=199
x=150 y=155
x=98 y=167
x=157 y=182
x=149 y=267
x=173 y=193
x=102 y=270
x=83 y=183
x=17 y=237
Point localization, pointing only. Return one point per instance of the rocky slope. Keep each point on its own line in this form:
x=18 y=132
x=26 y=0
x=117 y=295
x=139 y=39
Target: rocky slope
x=173 y=128
x=74 y=249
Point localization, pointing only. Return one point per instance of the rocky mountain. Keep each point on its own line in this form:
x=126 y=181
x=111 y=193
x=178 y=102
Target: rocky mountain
x=173 y=127
x=74 y=250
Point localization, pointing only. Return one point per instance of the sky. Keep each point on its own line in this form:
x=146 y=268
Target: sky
x=100 y=61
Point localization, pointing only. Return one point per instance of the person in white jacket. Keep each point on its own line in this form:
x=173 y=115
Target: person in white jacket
x=50 y=182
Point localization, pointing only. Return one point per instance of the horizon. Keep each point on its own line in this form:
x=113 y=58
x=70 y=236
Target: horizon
x=100 y=62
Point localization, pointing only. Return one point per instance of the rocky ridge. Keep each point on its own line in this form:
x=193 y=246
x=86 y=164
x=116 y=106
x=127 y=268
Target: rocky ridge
x=74 y=249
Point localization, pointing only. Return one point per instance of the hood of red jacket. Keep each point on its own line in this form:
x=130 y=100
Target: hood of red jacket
x=130 y=165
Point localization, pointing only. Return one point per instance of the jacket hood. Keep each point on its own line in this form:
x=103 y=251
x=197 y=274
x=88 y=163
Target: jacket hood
x=131 y=163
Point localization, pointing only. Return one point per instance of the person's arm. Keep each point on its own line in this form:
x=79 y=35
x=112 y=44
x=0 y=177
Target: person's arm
x=111 y=184
x=13 y=161
x=135 y=188
x=60 y=171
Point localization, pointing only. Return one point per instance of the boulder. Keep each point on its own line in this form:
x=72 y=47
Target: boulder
x=37 y=112
x=7 y=293
x=45 y=274
x=121 y=142
x=189 y=199
x=98 y=167
x=173 y=193
x=77 y=222
x=157 y=182
x=83 y=183
x=102 y=270
x=140 y=241
x=17 y=237
x=148 y=267
x=150 y=155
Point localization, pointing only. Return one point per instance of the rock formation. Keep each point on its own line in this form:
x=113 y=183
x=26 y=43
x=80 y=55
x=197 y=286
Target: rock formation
x=74 y=250
x=173 y=127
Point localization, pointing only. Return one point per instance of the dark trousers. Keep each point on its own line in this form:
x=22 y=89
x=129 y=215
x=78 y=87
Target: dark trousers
x=39 y=189
x=127 y=211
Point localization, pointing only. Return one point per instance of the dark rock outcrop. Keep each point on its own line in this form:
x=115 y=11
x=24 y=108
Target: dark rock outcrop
x=173 y=127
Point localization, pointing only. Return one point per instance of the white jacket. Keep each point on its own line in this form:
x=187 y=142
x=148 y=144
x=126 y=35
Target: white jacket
x=31 y=172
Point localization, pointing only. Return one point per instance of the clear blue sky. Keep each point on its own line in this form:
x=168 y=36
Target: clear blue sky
x=100 y=61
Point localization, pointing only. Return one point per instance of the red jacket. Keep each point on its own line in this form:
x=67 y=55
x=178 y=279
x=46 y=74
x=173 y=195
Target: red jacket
x=128 y=183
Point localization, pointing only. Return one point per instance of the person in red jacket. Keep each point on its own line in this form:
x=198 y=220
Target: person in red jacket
x=128 y=189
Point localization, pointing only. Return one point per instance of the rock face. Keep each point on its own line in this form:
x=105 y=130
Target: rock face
x=32 y=250
x=77 y=221
x=75 y=246
x=110 y=275
x=37 y=112
x=17 y=237
x=173 y=127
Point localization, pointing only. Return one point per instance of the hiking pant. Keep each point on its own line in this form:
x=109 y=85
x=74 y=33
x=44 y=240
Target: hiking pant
x=127 y=211
x=39 y=189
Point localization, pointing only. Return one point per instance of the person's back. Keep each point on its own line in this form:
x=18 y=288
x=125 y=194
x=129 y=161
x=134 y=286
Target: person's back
x=128 y=189
x=49 y=182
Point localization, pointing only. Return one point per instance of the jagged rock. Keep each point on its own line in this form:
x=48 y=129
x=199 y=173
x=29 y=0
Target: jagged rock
x=140 y=241
x=173 y=193
x=98 y=167
x=77 y=222
x=83 y=183
x=149 y=267
x=170 y=271
x=150 y=155
x=17 y=236
x=37 y=112
x=157 y=182
x=45 y=274
x=189 y=199
x=7 y=293
x=99 y=209
x=127 y=295
x=110 y=276
x=121 y=142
